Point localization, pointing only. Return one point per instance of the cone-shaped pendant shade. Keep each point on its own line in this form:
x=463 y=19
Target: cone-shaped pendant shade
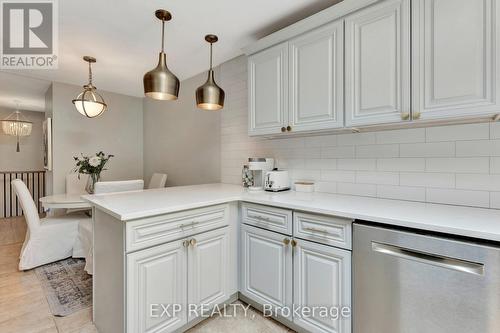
x=160 y=83
x=210 y=96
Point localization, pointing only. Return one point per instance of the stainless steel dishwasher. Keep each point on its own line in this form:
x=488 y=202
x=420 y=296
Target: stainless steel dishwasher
x=407 y=282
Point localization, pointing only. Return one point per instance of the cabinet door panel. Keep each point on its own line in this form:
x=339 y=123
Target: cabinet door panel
x=267 y=90
x=156 y=276
x=266 y=267
x=378 y=64
x=322 y=278
x=208 y=263
x=454 y=58
x=317 y=79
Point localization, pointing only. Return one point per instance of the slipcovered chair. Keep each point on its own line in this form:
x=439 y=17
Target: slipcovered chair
x=157 y=180
x=49 y=239
x=85 y=228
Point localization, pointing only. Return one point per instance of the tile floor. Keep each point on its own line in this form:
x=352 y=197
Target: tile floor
x=24 y=309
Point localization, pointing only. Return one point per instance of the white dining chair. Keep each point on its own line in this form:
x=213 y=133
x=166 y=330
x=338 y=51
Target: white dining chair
x=158 y=180
x=85 y=229
x=49 y=239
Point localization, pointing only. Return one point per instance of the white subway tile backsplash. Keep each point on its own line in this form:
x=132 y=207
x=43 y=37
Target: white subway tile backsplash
x=356 y=139
x=401 y=192
x=356 y=164
x=495 y=200
x=478 y=148
x=458 y=197
x=438 y=149
x=338 y=152
x=495 y=165
x=368 y=190
x=427 y=179
x=401 y=164
x=321 y=141
x=374 y=177
x=459 y=164
x=338 y=176
x=374 y=151
x=325 y=187
x=458 y=132
x=471 y=181
x=401 y=136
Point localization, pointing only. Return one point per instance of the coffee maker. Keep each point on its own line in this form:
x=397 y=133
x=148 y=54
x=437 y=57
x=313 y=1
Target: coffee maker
x=258 y=166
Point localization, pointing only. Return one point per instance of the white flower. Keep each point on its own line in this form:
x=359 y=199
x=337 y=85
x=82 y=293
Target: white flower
x=95 y=161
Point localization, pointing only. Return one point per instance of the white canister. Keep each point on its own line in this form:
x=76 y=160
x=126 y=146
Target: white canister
x=304 y=186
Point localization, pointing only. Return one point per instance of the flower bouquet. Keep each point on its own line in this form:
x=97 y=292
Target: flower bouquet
x=92 y=166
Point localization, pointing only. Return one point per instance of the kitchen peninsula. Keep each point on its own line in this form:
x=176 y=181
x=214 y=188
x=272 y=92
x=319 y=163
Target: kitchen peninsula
x=186 y=245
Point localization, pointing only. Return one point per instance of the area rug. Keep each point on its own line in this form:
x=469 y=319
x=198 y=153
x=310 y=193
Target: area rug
x=67 y=286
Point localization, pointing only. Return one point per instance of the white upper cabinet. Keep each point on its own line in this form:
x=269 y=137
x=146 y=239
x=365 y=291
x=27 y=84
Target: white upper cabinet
x=377 y=64
x=322 y=277
x=267 y=90
x=316 y=78
x=455 y=63
x=208 y=265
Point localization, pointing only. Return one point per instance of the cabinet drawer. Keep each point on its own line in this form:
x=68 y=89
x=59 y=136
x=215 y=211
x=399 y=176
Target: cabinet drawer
x=336 y=231
x=162 y=229
x=270 y=218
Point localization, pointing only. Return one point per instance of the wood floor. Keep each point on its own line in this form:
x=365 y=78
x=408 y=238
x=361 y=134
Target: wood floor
x=24 y=308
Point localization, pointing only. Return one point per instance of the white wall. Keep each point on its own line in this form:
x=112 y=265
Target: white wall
x=118 y=131
x=31 y=155
x=180 y=139
x=453 y=165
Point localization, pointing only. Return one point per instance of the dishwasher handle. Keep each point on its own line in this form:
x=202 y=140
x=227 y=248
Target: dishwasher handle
x=430 y=259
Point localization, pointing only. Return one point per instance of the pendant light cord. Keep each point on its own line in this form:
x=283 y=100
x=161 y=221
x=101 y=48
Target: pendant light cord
x=162 y=35
x=90 y=74
x=211 y=56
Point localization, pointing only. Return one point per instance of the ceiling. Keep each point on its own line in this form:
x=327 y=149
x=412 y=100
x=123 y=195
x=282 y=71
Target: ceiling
x=125 y=36
x=23 y=92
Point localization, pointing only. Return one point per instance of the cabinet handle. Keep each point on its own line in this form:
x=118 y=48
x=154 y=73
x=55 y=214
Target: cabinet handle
x=316 y=230
x=193 y=242
x=405 y=115
x=286 y=241
x=289 y=128
x=293 y=242
x=262 y=218
x=283 y=129
x=185 y=243
x=416 y=115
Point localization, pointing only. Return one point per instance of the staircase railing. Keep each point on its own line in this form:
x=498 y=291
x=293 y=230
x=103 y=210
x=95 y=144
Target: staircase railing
x=34 y=180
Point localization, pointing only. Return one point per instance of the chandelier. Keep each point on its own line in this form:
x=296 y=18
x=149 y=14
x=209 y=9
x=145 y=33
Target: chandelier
x=16 y=125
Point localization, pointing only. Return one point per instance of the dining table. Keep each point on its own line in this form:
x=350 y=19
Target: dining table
x=67 y=201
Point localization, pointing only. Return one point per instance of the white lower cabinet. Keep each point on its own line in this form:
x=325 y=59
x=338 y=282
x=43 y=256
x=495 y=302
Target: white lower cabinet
x=281 y=271
x=266 y=263
x=194 y=270
x=156 y=276
x=322 y=279
x=208 y=265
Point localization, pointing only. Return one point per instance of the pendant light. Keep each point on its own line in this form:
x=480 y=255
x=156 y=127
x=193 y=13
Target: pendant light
x=89 y=103
x=160 y=83
x=210 y=96
x=16 y=125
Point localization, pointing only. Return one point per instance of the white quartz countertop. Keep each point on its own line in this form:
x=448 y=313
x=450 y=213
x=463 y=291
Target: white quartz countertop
x=465 y=221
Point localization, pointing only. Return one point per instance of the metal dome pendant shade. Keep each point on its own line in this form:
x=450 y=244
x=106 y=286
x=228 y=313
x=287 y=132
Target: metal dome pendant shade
x=16 y=125
x=160 y=83
x=210 y=96
x=89 y=103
